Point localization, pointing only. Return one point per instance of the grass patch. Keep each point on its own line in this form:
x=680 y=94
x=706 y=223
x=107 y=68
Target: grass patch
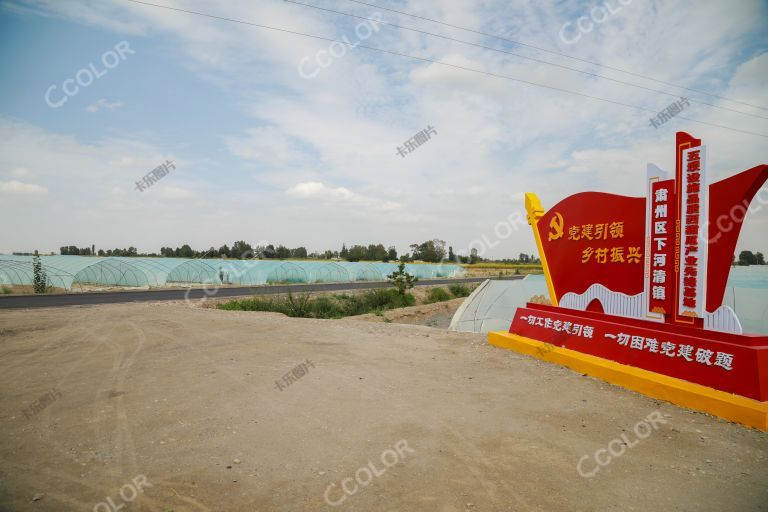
x=459 y=290
x=254 y=304
x=437 y=295
x=335 y=306
x=5 y=291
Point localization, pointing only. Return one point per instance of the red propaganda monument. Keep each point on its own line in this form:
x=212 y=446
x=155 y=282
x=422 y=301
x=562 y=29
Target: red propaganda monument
x=637 y=287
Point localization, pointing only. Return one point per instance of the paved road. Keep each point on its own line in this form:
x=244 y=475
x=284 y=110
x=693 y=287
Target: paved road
x=79 y=299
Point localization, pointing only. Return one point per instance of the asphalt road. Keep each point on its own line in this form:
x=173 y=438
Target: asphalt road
x=79 y=299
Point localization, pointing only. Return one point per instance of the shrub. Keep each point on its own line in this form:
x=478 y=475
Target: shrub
x=254 y=304
x=39 y=280
x=299 y=306
x=325 y=307
x=386 y=299
x=350 y=305
x=4 y=290
x=401 y=279
x=459 y=290
x=337 y=306
x=398 y=300
x=437 y=295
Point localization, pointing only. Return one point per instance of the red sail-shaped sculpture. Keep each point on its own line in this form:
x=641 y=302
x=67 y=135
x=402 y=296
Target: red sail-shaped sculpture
x=729 y=205
x=587 y=239
x=598 y=238
x=637 y=287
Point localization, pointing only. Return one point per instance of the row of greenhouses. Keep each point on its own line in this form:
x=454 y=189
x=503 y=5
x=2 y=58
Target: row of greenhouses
x=72 y=272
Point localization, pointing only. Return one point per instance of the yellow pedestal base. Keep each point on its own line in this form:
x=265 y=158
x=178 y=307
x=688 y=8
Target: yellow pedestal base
x=686 y=394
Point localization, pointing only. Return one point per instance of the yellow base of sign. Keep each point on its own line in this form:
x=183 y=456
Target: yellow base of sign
x=686 y=394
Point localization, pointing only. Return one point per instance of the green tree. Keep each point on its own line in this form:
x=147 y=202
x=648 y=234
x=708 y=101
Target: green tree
x=240 y=250
x=747 y=258
x=185 y=251
x=344 y=254
x=432 y=251
x=282 y=252
x=269 y=252
x=357 y=253
x=760 y=259
x=401 y=279
x=39 y=279
x=299 y=252
x=376 y=253
x=473 y=257
x=392 y=254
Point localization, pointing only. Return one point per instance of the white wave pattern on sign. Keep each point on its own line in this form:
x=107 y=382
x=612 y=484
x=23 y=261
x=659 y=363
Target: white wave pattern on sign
x=724 y=319
x=614 y=303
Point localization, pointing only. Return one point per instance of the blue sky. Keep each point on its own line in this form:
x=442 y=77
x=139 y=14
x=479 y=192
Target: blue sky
x=265 y=155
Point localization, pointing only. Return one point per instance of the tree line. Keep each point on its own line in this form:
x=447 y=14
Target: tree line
x=747 y=258
x=431 y=251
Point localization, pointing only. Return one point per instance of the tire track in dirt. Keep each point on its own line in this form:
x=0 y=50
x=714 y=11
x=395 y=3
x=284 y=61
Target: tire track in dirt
x=480 y=465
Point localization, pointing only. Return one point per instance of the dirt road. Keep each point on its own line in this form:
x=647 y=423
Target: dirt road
x=162 y=407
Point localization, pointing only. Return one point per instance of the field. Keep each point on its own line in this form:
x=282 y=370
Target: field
x=195 y=400
x=500 y=269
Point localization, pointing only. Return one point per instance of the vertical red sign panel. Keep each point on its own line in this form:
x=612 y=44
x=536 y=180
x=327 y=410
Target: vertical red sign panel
x=661 y=231
x=692 y=290
x=684 y=142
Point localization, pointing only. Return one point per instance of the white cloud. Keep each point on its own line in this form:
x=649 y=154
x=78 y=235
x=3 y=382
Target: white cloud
x=103 y=104
x=265 y=144
x=172 y=193
x=317 y=190
x=82 y=12
x=20 y=172
x=17 y=187
x=123 y=161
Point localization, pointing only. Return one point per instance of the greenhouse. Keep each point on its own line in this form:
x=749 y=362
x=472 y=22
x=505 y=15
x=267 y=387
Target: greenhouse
x=236 y=272
x=362 y=271
x=265 y=272
x=68 y=272
x=195 y=271
x=421 y=270
x=493 y=303
x=326 y=272
x=83 y=272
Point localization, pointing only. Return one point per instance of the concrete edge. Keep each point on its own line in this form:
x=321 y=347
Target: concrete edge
x=724 y=405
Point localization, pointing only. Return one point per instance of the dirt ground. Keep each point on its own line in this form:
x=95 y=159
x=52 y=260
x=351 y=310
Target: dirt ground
x=436 y=315
x=177 y=408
